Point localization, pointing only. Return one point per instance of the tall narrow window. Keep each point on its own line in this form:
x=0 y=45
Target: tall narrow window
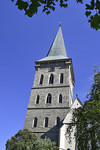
x=49 y=98
x=41 y=79
x=58 y=121
x=61 y=78
x=51 y=80
x=46 y=122
x=35 y=122
x=37 y=99
x=60 y=98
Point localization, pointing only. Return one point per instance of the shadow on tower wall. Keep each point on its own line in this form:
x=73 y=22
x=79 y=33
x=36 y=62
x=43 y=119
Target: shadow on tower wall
x=53 y=134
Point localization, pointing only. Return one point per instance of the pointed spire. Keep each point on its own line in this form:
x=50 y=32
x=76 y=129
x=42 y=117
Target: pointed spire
x=58 y=47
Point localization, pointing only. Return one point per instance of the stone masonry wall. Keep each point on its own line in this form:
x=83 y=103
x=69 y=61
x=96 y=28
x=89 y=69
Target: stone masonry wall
x=51 y=110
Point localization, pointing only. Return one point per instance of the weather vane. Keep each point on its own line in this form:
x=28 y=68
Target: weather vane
x=60 y=24
x=76 y=95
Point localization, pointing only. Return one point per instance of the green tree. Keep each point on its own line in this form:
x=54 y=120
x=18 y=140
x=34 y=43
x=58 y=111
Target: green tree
x=88 y=119
x=25 y=140
x=45 y=144
x=31 y=7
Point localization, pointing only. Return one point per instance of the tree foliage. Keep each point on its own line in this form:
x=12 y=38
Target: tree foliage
x=88 y=119
x=31 y=7
x=45 y=144
x=25 y=140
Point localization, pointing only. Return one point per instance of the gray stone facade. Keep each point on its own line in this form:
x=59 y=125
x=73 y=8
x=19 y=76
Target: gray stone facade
x=54 y=109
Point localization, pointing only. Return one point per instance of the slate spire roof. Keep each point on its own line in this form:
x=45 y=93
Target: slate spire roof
x=57 y=49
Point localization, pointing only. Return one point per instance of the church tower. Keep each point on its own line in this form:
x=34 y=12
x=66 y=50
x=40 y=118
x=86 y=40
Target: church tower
x=52 y=92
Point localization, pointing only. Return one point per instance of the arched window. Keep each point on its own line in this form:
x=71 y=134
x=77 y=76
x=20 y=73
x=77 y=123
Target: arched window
x=41 y=79
x=49 y=98
x=61 y=78
x=58 y=121
x=35 y=122
x=46 y=122
x=37 y=99
x=51 y=80
x=60 y=98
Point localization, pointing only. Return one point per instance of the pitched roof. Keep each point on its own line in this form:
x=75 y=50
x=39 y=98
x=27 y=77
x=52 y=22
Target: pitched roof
x=76 y=104
x=57 y=50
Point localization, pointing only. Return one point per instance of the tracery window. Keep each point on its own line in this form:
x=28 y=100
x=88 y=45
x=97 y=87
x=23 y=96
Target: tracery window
x=35 y=122
x=37 y=99
x=46 y=122
x=51 y=80
x=58 y=122
x=60 y=98
x=41 y=79
x=49 y=98
x=61 y=78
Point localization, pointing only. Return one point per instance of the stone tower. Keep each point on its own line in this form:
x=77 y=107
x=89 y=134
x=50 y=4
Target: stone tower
x=52 y=92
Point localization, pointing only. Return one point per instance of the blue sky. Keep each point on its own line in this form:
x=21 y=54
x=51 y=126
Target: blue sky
x=24 y=40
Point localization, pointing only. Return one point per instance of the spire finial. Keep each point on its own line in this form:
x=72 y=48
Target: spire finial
x=76 y=95
x=59 y=24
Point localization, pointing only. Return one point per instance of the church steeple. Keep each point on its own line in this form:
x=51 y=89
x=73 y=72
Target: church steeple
x=57 y=49
x=51 y=94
